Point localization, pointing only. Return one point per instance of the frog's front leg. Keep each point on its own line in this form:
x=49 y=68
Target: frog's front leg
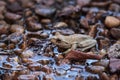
x=74 y=46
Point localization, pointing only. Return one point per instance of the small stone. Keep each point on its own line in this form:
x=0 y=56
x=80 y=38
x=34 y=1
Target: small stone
x=4 y=28
x=27 y=77
x=104 y=76
x=95 y=69
x=27 y=54
x=45 y=21
x=14 y=7
x=114 y=51
x=16 y=37
x=114 y=65
x=111 y=22
x=34 y=66
x=32 y=26
x=45 y=12
x=12 y=16
x=60 y=25
x=115 y=33
x=60 y=72
x=114 y=7
x=16 y=28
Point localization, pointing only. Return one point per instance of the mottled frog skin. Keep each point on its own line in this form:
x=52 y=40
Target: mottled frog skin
x=71 y=42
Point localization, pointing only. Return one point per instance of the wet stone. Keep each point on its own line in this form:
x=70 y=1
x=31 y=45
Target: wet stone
x=115 y=33
x=34 y=66
x=33 y=26
x=12 y=16
x=95 y=69
x=14 y=7
x=4 y=28
x=114 y=65
x=27 y=54
x=111 y=22
x=27 y=77
x=16 y=28
x=114 y=51
x=45 y=12
x=60 y=72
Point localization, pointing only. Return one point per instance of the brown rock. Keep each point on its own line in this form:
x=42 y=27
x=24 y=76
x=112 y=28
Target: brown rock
x=114 y=51
x=60 y=25
x=114 y=65
x=104 y=76
x=83 y=2
x=27 y=54
x=27 y=77
x=78 y=55
x=14 y=7
x=16 y=28
x=34 y=67
x=33 y=26
x=114 y=7
x=111 y=22
x=95 y=69
x=45 y=12
x=4 y=28
x=12 y=16
x=115 y=32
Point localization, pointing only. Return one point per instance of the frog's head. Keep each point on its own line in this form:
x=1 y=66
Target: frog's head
x=58 y=40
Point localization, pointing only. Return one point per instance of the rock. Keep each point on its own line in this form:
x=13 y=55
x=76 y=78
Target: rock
x=66 y=31
x=27 y=54
x=95 y=69
x=112 y=22
x=16 y=37
x=60 y=25
x=104 y=76
x=45 y=12
x=103 y=63
x=34 y=26
x=114 y=51
x=16 y=28
x=12 y=16
x=27 y=77
x=37 y=34
x=114 y=7
x=4 y=28
x=114 y=65
x=60 y=72
x=14 y=7
x=34 y=66
x=115 y=33
x=78 y=55
x=45 y=21
x=83 y=2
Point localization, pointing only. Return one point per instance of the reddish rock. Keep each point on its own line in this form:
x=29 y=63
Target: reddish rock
x=78 y=55
x=114 y=65
x=115 y=32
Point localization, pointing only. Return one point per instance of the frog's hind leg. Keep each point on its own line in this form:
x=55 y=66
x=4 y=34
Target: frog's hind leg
x=74 y=46
x=87 y=44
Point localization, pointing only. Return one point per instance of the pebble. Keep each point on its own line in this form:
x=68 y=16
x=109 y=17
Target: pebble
x=16 y=28
x=115 y=33
x=12 y=16
x=45 y=12
x=27 y=54
x=27 y=77
x=95 y=69
x=111 y=22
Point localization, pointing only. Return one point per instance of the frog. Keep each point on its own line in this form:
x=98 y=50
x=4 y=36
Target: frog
x=73 y=41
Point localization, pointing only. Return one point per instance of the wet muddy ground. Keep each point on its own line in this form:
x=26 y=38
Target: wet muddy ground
x=28 y=53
